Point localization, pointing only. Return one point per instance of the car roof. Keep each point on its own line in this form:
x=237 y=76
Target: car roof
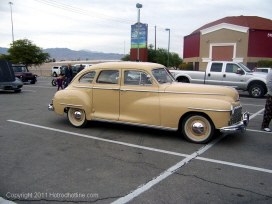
x=139 y=65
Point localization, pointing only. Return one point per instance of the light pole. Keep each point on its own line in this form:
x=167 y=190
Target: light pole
x=11 y=22
x=138 y=6
x=167 y=29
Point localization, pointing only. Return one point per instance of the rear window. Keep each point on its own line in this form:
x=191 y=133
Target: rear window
x=216 y=67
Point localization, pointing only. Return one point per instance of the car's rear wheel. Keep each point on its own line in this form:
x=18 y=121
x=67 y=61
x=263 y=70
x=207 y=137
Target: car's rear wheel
x=77 y=117
x=197 y=128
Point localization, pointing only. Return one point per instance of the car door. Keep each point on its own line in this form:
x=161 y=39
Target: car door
x=234 y=76
x=139 y=98
x=106 y=92
x=214 y=76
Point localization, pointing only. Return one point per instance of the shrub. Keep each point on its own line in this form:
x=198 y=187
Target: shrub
x=185 y=66
x=265 y=63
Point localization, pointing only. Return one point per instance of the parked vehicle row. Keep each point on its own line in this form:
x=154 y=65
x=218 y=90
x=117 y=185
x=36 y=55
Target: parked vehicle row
x=226 y=73
x=57 y=70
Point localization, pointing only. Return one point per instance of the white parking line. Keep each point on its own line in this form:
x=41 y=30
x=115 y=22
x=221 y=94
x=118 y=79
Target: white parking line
x=255 y=114
x=164 y=174
x=150 y=148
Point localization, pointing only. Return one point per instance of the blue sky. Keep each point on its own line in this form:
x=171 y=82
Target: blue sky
x=104 y=25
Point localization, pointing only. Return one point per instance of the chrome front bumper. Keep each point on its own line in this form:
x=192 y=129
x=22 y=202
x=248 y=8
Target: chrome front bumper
x=241 y=127
x=50 y=107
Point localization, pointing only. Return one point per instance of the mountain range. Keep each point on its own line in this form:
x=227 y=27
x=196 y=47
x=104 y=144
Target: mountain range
x=65 y=54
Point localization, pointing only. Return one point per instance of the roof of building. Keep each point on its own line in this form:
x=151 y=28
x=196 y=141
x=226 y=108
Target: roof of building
x=252 y=22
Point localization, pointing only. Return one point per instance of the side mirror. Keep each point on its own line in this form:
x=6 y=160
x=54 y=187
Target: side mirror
x=239 y=71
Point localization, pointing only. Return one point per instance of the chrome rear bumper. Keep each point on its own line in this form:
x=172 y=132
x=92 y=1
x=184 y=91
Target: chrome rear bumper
x=50 y=107
x=241 y=127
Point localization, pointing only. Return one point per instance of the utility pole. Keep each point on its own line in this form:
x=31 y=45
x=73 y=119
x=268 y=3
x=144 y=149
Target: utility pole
x=10 y=3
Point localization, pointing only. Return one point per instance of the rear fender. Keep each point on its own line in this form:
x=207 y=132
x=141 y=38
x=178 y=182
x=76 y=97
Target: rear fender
x=68 y=98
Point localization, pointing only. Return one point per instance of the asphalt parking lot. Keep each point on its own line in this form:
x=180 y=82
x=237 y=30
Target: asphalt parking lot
x=43 y=159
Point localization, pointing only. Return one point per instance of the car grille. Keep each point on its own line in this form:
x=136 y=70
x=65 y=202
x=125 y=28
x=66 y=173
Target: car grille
x=236 y=117
x=28 y=75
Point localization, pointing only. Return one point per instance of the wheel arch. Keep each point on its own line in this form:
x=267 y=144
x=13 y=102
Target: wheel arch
x=192 y=112
x=183 y=79
x=257 y=82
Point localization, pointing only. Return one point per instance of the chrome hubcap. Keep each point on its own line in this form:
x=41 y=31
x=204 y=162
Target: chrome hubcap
x=198 y=128
x=77 y=115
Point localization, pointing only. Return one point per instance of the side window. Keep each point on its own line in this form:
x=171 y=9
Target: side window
x=87 y=78
x=108 y=77
x=232 y=68
x=136 y=78
x=216 y=67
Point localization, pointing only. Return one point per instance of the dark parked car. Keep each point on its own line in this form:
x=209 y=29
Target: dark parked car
x=8 y=81
x=23 y=73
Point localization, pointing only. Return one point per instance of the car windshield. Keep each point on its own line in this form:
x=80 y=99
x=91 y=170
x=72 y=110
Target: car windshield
x=163 y=75
x=245 y=67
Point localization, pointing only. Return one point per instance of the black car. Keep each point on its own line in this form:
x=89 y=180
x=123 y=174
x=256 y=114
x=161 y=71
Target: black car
x=8 y=81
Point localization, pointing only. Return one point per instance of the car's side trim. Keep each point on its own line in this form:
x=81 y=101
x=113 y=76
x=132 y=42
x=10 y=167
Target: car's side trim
x=209 y=109
x=175 y=92
x=88 y=87
x=106 y=88
x=138 y=90
x=134 y=124
x=67 y=104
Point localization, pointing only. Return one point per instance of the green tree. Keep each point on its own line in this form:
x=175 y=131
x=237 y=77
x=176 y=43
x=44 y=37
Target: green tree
x=161 y=56
x=126 y=58
x=26 y=53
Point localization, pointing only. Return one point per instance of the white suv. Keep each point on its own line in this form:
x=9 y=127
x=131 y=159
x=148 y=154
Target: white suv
x=56 y=71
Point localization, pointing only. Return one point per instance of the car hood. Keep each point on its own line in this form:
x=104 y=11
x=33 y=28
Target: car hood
x=258 y=74
x=207 y=91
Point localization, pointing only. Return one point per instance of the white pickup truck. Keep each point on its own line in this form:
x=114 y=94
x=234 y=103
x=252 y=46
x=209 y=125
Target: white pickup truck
x=226 y=73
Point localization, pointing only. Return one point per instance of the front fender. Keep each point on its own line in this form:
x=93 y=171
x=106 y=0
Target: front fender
x=219 y=111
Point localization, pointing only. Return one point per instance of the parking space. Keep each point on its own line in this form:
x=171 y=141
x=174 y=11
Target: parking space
x=44 y=159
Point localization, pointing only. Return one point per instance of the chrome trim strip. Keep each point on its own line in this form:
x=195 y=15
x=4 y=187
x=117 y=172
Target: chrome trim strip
x=66 y=104
x=106 y=88
x=209 y=109
x=174 y=92
x=137 y=90
x=134 y=124
x=88 y=87
x=194 y=93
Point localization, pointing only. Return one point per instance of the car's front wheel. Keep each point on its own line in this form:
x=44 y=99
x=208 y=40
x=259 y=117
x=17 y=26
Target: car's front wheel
x=256 y=91
x=197 y=128
x=77 y=117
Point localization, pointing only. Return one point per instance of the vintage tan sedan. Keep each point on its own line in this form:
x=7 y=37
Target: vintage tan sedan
x=146 y=94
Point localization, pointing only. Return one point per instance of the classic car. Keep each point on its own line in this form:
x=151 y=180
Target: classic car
x=8 y=81
x=107 y=92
